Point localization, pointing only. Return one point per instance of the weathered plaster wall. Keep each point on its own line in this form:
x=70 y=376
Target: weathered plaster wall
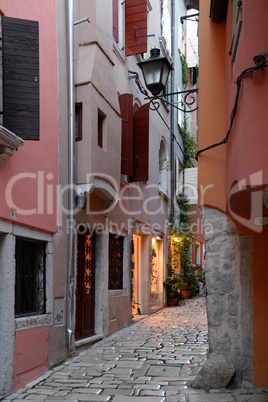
x=228 y=266
x=7 y=322
x=14 y=371
x=39 y=159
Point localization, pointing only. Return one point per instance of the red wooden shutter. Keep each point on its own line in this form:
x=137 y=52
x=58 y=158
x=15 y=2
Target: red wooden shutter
x=115 y=20
x=21 y=77
x=136 y=26
x=141 y=144
x=126 y=107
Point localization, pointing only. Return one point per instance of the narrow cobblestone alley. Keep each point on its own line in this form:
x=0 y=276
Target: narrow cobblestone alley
x=155 y=359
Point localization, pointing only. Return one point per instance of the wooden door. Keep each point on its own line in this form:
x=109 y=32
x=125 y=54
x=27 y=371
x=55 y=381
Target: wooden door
x=85 y=286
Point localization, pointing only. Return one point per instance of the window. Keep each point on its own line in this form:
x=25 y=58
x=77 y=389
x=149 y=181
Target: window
x=141 y=144
x=126 y=108
x=163 y=167
x=101 y=118
x=119 y=28
x=115 y=21
x=135 y=139
x=136 y=26
x=30 y=284
x=115 y=262
x=19 y=87
x=179 y=178
x=236 y=26
x=78 y=122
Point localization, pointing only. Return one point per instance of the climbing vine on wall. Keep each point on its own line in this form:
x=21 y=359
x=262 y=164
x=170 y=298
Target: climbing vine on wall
x=185 y=71
x=189 y=144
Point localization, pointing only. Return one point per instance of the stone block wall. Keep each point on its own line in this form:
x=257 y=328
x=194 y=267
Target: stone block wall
x=228 y=267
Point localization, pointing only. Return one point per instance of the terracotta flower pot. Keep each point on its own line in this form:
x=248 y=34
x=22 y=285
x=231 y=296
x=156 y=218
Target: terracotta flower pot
x=186 y=293
x=173 y=302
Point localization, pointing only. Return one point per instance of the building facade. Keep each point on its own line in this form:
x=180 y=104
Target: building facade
x=122 y=157
x=233 y=181
x=29 y=181
x=122 y=165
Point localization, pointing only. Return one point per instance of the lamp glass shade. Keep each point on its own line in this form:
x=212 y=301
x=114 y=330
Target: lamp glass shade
x=155 y=71
x=152 y=72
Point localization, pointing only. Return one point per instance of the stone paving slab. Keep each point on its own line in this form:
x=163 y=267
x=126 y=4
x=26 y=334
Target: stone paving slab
x=156 y=360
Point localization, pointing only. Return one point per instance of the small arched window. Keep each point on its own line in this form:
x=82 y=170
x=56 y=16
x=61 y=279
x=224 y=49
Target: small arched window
x=163 y=167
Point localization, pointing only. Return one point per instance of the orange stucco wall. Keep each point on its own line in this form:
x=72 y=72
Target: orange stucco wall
x=244 y=158
x=211 y=164
x=246 y=148
x=34 y=167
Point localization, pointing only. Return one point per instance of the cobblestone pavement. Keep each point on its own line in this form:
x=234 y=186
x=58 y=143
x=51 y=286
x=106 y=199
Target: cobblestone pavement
x=155 y=359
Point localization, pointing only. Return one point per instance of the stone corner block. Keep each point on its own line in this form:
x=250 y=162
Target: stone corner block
x=216 y=373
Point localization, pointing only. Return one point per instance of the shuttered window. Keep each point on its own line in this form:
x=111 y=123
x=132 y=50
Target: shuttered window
x=141 y=144
x=236 y=26
x=21 y=77
x=126 y=107
x=135 y=26
x=115 y=21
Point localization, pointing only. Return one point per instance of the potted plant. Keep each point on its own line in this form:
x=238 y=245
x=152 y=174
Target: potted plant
x=188 y=283
x=172 y=286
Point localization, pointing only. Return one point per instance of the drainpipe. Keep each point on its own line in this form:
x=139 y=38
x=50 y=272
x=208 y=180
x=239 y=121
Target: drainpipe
x=172 y=162
x=71 y=180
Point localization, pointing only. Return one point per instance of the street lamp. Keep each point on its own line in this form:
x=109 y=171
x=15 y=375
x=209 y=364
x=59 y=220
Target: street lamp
x=155 y=71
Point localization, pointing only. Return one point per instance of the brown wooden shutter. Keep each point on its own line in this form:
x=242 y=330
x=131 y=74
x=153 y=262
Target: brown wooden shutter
x=136 y=26
x=126 y=107
x=141 y=144
x=21 y=77
x=115 y=20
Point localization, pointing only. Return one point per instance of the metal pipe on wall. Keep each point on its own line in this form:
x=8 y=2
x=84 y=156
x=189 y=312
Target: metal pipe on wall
x=71 y=180
x=172 y=162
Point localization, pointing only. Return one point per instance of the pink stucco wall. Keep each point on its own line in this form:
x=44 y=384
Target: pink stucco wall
x=247 y=146
x=30 y=355
x=31 y=190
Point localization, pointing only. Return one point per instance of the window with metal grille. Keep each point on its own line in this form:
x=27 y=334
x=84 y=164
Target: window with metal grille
x=30 y=285
x=19 y=76
x=115 y=262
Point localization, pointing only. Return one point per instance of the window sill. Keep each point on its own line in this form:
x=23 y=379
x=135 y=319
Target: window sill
x=117 y=292
x=119 y=53
x=32 y=321
x=163 y=194
x=9 y=142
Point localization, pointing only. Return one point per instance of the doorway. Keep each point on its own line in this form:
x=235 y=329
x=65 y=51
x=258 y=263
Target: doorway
x=85 y=286
x=136 y=274
x=154 y=260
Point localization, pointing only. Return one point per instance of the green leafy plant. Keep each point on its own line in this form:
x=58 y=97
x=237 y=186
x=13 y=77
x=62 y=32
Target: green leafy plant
x=189 y=144
x=172 y=284
x=181 y=241
x=185 y=71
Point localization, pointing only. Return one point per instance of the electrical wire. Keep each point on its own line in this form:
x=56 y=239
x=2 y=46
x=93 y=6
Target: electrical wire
x=155 y=107
x=142 y=89
x=238 y=82
x=122 y=47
